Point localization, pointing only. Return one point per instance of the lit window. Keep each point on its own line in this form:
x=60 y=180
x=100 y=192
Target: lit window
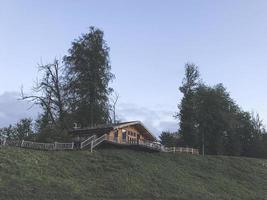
x=116 y=136
x=124 y=136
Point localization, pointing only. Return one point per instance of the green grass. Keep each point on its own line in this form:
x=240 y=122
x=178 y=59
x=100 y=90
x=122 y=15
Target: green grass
x=125 y=174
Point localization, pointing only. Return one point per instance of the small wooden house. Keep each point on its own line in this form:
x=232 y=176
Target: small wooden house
x=125 y=134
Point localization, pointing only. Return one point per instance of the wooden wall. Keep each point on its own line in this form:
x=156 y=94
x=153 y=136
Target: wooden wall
x=131 y=134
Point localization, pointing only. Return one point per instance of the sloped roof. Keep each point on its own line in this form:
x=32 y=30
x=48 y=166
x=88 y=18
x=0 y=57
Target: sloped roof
x=104 y=128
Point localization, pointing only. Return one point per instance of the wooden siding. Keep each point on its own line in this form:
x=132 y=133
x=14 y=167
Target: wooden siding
x=131 y=135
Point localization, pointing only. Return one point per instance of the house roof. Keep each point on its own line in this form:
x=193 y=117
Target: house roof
x=104 y=128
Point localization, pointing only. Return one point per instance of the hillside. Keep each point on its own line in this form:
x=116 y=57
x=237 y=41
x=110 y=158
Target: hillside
x=121 y=174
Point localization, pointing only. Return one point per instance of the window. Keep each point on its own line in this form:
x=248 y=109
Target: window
x=123 y=135
x=116 y=136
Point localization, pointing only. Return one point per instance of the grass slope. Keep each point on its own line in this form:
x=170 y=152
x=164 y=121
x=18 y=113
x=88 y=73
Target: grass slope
x=125 y=174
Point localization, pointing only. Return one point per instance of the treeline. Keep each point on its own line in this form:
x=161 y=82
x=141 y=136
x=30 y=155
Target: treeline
x=72 y=90
x=209 y=119
x=19 y=131
x=76 y=90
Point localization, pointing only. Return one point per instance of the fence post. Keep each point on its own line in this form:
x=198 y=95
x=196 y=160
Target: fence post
x=55 y=145
x=92 y=142
x=173 y=149
x=72 y=145
x=22 y=143
x=192 y=151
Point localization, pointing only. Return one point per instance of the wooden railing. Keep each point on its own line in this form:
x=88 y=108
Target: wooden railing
x=146 y=143
x=88 y=141
x=152 y=145
x=181 y=150
x=99 y=140
x=37 y=145
x=64 y=146
x=14 y=143
x=93 y=142
x=47 y=146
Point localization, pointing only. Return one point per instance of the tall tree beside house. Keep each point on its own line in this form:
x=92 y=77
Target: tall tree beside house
x=186 y=107
x=88 y=74
x=49 y=94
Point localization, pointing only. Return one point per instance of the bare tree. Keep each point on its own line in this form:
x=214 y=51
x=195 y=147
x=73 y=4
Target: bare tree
x=48 y=92
x=114 y=100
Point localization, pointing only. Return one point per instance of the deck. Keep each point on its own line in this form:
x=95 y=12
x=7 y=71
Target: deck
x=142 y=144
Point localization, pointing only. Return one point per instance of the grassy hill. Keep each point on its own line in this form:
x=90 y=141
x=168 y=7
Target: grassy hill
x=125 y=174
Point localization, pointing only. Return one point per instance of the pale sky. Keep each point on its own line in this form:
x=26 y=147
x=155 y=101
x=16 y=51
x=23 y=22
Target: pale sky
x=150 y=41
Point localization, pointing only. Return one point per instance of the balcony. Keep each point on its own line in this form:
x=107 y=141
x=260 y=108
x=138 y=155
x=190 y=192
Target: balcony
x=134 y=142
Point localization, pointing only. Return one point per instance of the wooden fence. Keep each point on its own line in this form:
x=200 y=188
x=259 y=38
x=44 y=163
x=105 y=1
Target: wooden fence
x=182 y=150
x=93 y=142
x=47 y=146
x=64 y=146
x=14 y=143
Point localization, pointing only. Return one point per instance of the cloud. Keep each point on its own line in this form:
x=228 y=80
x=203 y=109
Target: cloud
x=12 y=109
x=157 y=118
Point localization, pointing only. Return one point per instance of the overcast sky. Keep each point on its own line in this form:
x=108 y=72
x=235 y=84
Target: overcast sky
x=150 y=42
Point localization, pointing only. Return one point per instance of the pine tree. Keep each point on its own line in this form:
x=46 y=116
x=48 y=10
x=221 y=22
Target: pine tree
x=186 y=107
x=88 y=74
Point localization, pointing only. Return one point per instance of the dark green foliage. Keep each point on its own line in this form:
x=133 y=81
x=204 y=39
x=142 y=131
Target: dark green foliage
x=216 y=119
x=47 y=132
x=209 y=118
x=170 y=139
x=53 y=134
x=74 y=91
x=21 y=130
x=226 y=128
x=191 y=79
x=124 y=174
x=7 y=132
x=88 y=76
x=186 y=114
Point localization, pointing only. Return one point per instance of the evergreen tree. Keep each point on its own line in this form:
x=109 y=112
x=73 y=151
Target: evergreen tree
x=23 y=129
x=8 y=132
x=169 y=139
x=186 y=115
x=88 y=74
x=215 y=116
x=210 y=120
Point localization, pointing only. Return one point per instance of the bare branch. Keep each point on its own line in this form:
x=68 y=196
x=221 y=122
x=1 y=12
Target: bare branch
x=114 y=99
x=48 y=91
